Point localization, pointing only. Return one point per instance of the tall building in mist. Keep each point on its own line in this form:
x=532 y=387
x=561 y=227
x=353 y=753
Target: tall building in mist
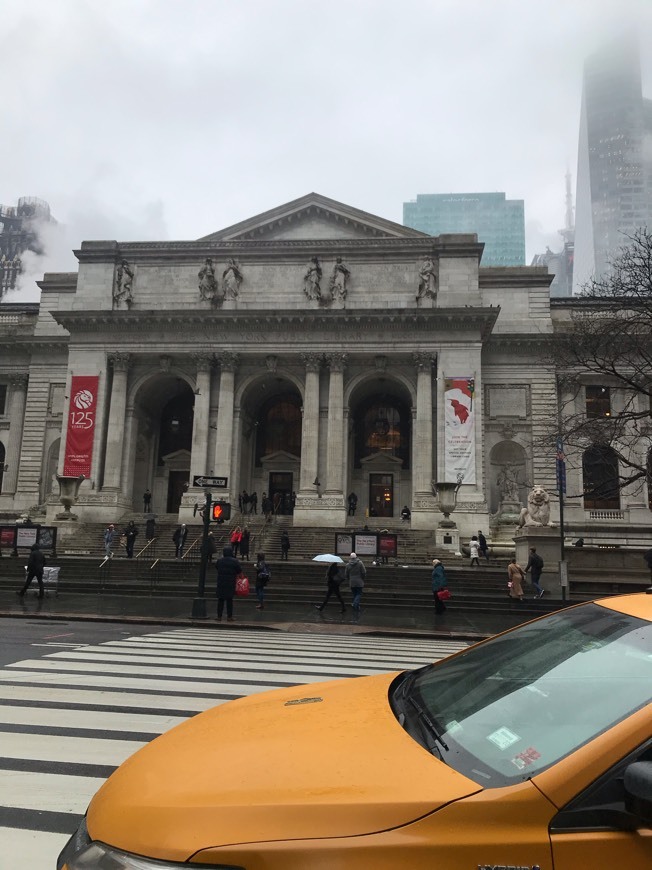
x=17 y=235
x=614 y=172
x=499 y=222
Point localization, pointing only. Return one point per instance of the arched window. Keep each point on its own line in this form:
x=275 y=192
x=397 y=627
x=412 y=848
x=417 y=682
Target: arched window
x=600 y=476
x=383 y=426
x=279 y=427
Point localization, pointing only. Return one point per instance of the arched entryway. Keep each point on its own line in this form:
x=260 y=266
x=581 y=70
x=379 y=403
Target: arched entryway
x=271 y=411
x=163 y=407
x=380 y=447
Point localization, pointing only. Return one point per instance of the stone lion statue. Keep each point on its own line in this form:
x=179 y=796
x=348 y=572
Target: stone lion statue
x=537 y=512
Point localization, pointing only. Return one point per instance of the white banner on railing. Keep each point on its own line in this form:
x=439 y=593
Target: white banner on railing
x=459 y=426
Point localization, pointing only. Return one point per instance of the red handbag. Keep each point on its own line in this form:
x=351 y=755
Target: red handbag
x=242 y=586
x=444 y=594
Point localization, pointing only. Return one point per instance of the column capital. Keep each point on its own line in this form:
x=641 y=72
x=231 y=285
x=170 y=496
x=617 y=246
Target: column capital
x=312 y=361
x=424 y=360
x=120 y=361
x=228 y=361
x=203 y=361
x=336 y=361
x=18 y=381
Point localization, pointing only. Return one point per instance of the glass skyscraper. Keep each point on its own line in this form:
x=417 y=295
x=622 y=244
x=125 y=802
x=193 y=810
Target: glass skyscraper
x=614 y=172
x=498 y=222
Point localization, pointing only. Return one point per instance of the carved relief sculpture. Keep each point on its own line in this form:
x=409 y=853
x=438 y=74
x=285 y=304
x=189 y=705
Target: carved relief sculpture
x=122 y=291
x=537 y=512
x=232 y=278
x=427 y=281
x=339 y=277
x=312 y=279
x=208 y=290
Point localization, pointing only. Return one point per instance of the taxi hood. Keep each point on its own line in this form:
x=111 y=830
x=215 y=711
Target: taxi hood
x=323 y=760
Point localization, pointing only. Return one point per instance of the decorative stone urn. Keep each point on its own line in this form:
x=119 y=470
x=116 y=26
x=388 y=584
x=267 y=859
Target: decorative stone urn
x=68 y=492
x=446 y=495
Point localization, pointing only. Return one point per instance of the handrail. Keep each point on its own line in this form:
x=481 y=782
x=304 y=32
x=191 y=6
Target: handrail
x=194 y=543
x=151 y=541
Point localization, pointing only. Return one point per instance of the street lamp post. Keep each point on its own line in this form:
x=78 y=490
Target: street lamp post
x=199 y=603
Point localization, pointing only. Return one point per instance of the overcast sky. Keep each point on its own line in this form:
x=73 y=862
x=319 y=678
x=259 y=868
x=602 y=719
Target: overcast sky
x=154 y=119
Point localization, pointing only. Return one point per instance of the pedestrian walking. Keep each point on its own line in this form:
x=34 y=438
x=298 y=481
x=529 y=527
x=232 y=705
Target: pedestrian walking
x=35 y=566
x=439 y=581
x=515 y=578
x=109 y=537
x=355 y=573
x=535 y=565
x=235 y=539
x=179 y=538
x=228 y=569
x=254 y=502
x=245 y=540
x=263 y=576
x=474 y=551
x=353 y=503
x=130 y=533
x=334 y=578
x=147 y=501
x=285 y=545
x=209 y=547
x=483 y=547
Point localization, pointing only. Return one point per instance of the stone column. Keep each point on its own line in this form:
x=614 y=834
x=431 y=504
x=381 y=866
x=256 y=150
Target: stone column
x=423 y=474
x=18 y=384
x=310 y=427
x=199 y=454
x=335 y=434
x=224 y=436
x=116 y=431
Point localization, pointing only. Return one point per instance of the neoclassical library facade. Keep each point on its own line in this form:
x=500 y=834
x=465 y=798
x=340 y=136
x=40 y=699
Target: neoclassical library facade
x=306 y=353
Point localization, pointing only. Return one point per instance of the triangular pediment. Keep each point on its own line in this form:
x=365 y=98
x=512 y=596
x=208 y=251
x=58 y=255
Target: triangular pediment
x=381 y=459
x=313 y=217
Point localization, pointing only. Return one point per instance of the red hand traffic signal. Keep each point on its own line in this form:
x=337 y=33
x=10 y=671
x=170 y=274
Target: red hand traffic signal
x=221 y=511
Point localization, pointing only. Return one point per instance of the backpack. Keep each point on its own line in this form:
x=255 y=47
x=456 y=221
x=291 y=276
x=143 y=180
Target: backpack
x=264 y=575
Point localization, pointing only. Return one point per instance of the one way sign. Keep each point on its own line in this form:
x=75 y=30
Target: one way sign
x=216 y=482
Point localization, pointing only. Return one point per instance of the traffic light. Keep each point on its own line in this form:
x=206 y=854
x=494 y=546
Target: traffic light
x=221 y=511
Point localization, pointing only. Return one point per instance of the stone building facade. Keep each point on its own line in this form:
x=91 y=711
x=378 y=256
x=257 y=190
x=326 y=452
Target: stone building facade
x=309 y=352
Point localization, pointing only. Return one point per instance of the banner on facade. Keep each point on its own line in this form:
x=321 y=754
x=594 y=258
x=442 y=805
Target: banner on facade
x=459 y=426
x=81 y=425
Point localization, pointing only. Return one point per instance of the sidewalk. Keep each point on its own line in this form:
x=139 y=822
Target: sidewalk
x=156 y=610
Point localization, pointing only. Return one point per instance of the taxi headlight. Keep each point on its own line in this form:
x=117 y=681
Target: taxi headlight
x=82 y=853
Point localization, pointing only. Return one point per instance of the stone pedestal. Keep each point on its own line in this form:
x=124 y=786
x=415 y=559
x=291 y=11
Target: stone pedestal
x=548 y=546
x=448 y=539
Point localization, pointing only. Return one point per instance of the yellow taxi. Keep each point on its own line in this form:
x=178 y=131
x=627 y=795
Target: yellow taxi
x=530 y=750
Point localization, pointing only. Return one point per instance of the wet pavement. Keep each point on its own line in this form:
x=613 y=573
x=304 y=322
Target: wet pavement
x=455 y=623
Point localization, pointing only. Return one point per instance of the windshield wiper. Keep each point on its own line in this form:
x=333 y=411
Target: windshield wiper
x=432 y=729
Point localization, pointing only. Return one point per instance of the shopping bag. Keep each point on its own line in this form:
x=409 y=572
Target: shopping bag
x=443 y=594
x=242 y=585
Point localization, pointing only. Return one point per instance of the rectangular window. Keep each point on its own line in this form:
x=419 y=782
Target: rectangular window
x=598 y=402
x=3 y=399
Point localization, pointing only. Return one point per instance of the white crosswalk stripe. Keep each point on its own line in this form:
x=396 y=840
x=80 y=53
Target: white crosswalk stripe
x=69 y=718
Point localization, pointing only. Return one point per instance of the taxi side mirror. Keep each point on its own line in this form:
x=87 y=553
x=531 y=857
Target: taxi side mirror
x=638 y=791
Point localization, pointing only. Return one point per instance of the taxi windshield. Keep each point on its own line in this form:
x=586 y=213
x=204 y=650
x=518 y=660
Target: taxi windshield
x=507 y=709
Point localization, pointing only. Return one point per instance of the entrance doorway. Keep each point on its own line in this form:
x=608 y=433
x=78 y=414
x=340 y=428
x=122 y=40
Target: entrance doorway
x=177 y=485
x=280 y=491
x=381 y=495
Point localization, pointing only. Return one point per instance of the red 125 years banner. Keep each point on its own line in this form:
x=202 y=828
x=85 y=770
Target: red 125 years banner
x=81 y=425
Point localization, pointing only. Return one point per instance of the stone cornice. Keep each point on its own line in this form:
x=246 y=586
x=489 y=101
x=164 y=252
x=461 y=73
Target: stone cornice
x=195 y=253
x=233 y=323
x=514 y=276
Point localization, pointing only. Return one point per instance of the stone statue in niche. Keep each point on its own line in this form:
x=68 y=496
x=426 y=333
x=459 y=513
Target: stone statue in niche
x=427 y=281
x=339 y=277
x=208 y=289
x=312 y=279
x=122 y=292
x=508 y=484
x=232 y=278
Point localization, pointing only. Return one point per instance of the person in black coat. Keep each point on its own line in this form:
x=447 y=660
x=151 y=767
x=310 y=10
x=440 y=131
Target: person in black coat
x=35 y=566
x=130 y=533
x=334 y=577
x=228 y=569
x=285 y=545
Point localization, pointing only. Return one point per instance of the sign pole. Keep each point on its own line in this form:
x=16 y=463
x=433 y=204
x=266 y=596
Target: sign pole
x=199 y=603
